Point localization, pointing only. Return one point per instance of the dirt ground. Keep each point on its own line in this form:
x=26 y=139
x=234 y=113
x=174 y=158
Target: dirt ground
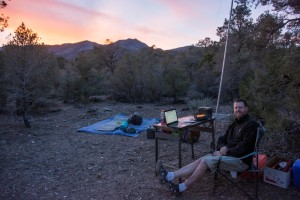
x=52 y=160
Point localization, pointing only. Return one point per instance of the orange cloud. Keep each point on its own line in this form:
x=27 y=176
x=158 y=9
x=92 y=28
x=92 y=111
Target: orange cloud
x=60 y=21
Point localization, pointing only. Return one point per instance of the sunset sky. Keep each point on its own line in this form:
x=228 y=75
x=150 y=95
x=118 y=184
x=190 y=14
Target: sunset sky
x=166 y=24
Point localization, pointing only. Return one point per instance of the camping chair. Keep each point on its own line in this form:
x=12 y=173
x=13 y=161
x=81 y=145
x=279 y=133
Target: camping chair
x=254 y=172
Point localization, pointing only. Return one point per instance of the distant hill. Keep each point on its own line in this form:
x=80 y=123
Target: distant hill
x=182 y=49
x=131 y=44
x=71 y=50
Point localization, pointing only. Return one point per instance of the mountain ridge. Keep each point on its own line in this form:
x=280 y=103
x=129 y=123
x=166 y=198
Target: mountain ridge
x=71 y=50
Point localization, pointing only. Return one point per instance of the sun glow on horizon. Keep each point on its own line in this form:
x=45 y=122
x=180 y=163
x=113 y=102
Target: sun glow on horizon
x=166 y=24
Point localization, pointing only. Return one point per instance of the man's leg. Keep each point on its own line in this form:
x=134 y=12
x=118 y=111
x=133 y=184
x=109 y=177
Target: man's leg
x=187 y=170
x=197 y=173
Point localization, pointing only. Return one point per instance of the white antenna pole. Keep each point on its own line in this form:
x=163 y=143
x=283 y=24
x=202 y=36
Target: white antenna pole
x=224 y=59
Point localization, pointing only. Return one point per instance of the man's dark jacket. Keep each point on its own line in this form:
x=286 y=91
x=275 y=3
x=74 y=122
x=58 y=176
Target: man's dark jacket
x=240 y=138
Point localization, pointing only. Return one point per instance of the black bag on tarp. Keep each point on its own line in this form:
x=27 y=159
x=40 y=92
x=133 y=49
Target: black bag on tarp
x=136 y=119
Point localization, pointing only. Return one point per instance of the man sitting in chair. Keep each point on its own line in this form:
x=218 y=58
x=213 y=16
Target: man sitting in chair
x=238 y=141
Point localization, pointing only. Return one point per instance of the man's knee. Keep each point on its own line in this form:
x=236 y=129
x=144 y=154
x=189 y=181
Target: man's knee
x=203 y=164
x=198 y=161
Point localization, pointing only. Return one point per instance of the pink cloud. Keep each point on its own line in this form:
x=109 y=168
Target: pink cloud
x=55 y=10
x=185 y=9
x=197 y=14
x=55 y=20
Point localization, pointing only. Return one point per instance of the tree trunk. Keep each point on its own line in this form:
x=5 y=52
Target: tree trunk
x=26 y=120
x=25 y=117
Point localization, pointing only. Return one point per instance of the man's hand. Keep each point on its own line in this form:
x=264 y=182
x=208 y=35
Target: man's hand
x=223 y=150
x=217 y=153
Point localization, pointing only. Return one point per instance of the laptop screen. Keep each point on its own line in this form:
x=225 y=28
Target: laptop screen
x=171 y=116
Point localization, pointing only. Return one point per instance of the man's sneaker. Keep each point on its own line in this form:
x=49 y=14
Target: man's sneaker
x=174 y=188
x=160 y=170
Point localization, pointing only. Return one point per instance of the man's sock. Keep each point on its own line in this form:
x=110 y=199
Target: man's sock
x=170 y=176
x=182 y=187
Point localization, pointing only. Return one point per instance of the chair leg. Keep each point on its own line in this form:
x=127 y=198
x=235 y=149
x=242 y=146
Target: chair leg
x=256 y=186
x=233 y=183
x=215 y=180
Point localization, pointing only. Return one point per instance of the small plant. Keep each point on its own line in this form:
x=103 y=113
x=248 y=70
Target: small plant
x=194 y=104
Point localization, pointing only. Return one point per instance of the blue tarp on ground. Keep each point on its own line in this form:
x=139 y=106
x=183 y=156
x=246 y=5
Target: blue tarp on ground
x=110 y=126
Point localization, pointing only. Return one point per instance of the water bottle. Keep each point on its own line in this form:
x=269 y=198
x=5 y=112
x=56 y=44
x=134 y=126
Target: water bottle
x=233 y=174
x=124 y=125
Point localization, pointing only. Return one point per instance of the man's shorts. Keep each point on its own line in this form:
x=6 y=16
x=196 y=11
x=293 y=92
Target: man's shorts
x=227 y=163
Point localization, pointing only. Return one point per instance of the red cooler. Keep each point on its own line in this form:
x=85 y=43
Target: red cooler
x=296 y=173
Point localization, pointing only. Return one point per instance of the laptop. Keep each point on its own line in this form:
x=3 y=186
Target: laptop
x=171 y=118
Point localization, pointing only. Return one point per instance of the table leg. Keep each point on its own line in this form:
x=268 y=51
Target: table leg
x=192 y=143
x=192 y=146
x=213 y=139
x=179 y=156
x=156 y=152
x=179 y=153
